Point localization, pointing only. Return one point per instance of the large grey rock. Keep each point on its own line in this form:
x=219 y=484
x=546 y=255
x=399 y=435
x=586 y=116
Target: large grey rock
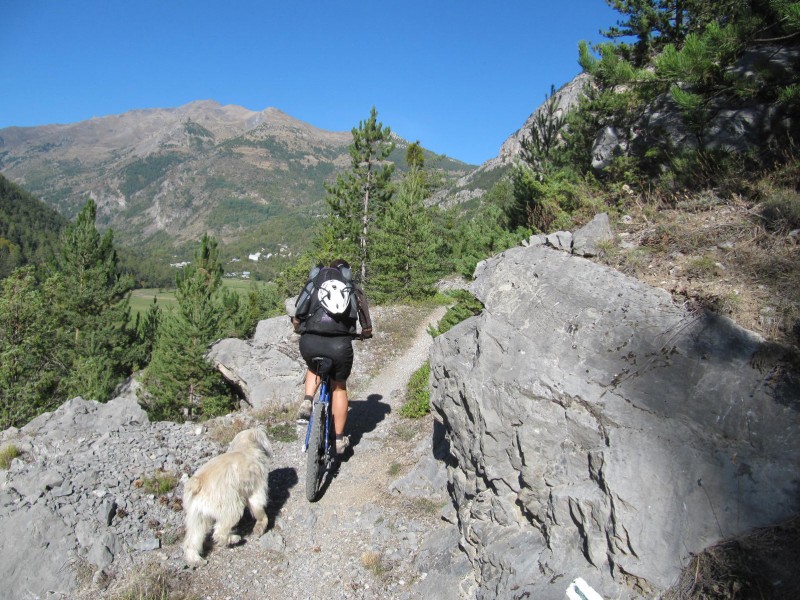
x=268 y=369
x=597 y=430
x=85 y=417
x=566 y=97
x=38 y=551
x=586 y=241
x=609 y=143
x=74 y=498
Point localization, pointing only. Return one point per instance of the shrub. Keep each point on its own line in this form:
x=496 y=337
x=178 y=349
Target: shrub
x=782 y=210
x=417 y=394
x=160 y=483
x=8 y=453
x=466 y=306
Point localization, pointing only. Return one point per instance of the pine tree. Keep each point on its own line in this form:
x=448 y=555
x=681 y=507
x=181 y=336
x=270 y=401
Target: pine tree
x=415 y=157
x=147 y=332
x=543 y=134
x=31 y=363
x=180 y=382
x=359 y=197
x=405 y=258
x=93 y=300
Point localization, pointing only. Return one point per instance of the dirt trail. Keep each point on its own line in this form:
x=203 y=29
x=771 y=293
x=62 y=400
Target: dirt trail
x=359 y=540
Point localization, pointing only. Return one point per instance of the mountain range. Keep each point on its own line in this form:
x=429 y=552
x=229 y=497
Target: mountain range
x=162 y=177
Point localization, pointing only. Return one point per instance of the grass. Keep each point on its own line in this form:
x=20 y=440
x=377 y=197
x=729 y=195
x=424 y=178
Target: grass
x=731 y=255
x=152 y=581
x=761 y=564
x=282 y=432
x=418 y=395
x=373 y=563
x=160 y=483
x=426 y=506
x=466 y=306
x=405 y=433
x=8 y=453
x=142 y=299
x=280 y=422
x=224 y=430
x=702 y=267
x=394 y=469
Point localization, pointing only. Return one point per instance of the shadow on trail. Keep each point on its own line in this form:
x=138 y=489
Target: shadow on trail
x=364 y=416
x=281 y=481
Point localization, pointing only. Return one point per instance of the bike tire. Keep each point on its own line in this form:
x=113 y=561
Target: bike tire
x=314 y=454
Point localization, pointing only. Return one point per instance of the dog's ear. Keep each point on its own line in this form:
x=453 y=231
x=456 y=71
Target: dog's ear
x=262 y=440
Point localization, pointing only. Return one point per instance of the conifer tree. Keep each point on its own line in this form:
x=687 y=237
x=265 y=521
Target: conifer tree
x=179 y=382
x=405 y=245
x=543 y=134
x=415 y=157
x=93 y=303
x=31 y=364
x=359 y=197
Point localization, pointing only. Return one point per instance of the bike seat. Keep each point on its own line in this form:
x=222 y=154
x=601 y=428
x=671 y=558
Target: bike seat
x=323 y=365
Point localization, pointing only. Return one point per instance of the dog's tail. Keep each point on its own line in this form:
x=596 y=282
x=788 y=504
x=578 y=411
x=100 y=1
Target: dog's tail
x=190 y=490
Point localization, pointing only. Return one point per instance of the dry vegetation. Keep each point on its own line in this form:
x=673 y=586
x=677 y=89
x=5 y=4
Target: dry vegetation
x=736 y=253
x=737 y=257
x=762 y=564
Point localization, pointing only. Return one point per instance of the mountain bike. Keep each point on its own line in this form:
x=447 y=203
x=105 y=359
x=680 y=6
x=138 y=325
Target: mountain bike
x=320 y=444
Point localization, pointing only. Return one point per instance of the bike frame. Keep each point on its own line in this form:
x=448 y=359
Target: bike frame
x=325 y=400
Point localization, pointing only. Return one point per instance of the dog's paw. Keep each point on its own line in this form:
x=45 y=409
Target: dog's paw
x=195 y=560
x=234 y=539
x=260 y=528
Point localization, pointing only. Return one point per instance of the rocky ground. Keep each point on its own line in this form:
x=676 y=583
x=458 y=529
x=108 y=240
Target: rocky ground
x=376 y=532
x=383 y=528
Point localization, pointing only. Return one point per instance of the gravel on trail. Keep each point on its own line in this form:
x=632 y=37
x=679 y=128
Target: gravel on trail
x=383 y=527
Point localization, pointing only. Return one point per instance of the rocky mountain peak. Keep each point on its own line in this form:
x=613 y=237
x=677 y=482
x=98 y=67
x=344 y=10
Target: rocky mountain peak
x=200 y=167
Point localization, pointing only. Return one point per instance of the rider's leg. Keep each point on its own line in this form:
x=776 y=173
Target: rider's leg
x=312 y=383
x=340 y=404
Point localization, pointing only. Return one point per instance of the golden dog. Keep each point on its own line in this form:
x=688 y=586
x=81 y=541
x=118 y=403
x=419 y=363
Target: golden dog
x=217 y=494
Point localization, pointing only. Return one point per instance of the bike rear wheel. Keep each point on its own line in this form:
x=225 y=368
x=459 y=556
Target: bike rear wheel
x=315 y=452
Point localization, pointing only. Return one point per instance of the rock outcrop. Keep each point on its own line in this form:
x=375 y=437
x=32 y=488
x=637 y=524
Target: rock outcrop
x=75 y=497
x=597 y=430
x=267 y=369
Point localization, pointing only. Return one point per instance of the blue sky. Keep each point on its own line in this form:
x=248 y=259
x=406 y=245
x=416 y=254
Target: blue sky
x=460 y=77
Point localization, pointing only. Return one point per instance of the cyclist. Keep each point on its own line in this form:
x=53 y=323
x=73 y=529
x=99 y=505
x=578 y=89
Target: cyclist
x=326 y=332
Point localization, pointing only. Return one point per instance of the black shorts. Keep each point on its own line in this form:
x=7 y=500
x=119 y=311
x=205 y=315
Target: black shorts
x=338 y=348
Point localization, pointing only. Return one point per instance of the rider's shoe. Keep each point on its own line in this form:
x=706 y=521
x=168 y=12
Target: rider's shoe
x=342 y=444
x=304 y=412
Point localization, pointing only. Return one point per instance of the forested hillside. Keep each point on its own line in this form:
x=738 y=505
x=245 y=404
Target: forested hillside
x=28 y=228
x=160 y=178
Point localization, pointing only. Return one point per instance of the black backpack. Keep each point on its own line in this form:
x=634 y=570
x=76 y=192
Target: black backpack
x=327 y=305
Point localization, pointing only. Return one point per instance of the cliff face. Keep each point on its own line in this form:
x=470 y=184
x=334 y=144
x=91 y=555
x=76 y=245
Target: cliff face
x=597 y=430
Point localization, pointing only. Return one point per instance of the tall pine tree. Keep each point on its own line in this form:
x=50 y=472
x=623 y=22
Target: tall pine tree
x=180 y=383
x=92 y=298
x=359 y=197
x=31 y=362
x=405 y=258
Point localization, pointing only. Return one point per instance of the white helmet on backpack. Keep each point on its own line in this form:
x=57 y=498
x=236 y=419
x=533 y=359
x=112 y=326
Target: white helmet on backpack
x=334 y=296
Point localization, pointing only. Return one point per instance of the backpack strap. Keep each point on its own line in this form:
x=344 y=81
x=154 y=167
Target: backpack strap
x=303 y=302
